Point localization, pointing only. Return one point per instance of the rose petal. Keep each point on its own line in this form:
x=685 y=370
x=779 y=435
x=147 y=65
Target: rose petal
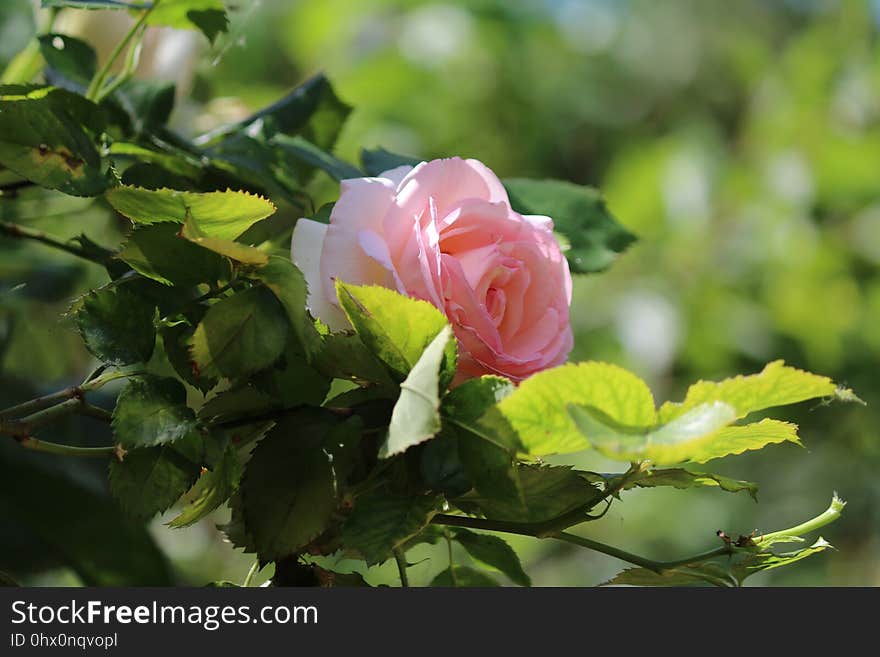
x=305 y=251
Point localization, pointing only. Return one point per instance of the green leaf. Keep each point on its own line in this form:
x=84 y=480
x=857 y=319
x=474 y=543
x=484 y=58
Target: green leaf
x=243 y=253
x=689 y=575
x=151 y=479
x=543 y=493
x=394 y=327
x=776 y=385
x=493 y=552
x=416 y=415
x=311 y=111
x=473 y=398
x=161 y=254
x=46 y=136
x=300 y=149
x=175 y=340
x=699 y=435
x=344 y=356
x=681 y=478
x=579 y=214
x=441 y=466
x=71 y=63
x=240 y=335
x=144 y=106
x=379 y=160
x=755 y=563
x=117 y=325
x=240 y=401
x=380 y=523
x=288 y=493
x=171 y=164
x=293 y=381
x=463 y=576
x=152 y=410
x=536 y=411
x=224 y=215
x=212 y=489
x=209 y=16
x=211 y=22
x=288 y=285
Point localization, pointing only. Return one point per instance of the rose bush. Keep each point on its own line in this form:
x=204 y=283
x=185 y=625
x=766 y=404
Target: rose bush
x=444 y=232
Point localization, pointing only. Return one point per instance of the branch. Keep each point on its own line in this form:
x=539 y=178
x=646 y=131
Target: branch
x=536 y=530
x=20 y=421
x=400 y=557
x=650 y=564
x=17 y=231
x=68 y=450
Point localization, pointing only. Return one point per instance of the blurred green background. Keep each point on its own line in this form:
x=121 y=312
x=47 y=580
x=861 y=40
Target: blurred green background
x=740 y=141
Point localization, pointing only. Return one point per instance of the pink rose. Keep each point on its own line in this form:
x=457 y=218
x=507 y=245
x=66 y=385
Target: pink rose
x=444 y=232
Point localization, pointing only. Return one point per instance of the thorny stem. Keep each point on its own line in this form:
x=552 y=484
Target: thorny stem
x=68 y=450
x=20 y=421
x=10 y=229
x=534 y=530
x=400 y=558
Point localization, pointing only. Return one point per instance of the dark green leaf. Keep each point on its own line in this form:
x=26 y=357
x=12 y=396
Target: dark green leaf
x=212 y=489
x=543 y=493
x=211 y=22
x=240 y=335
x=152 y=410
x=344 y=356
x=380 y=523
x=287 y=283
x=71 y=63
x=441 y=466
x=493 y=552
x=46 y=137
x=306 y=152
x=288 y=493
x=239 y=401
x=176 y=339
x=379 y=160
x=463 y=576
x=311 y=111
x=151 y=479
x=145 y=105
x=293 y=381
x=160 y=253
x=578 y=213
x=117 y=325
